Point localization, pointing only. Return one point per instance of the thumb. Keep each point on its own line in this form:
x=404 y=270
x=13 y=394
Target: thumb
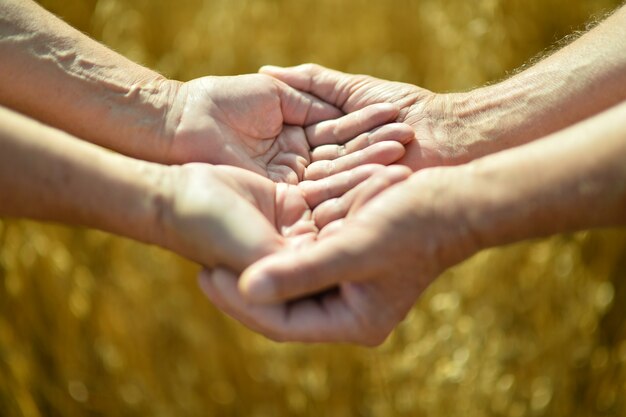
x=303 y=109
x=306 y=271
x=329 y=85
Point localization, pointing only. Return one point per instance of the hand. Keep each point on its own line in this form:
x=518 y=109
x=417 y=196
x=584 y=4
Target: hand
x=443 y=134
x=259 y=123
x=365 y=271
x=222 y=215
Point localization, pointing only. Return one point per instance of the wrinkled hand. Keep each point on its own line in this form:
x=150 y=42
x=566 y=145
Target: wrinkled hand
x=261 y=124
x=365 y=271
x=442 y=136
x=228 y=216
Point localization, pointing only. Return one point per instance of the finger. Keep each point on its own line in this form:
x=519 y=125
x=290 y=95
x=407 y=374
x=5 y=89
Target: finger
x=398 y=132
x=303 y=109
x=329 y=85
x=220 y=287
x=324 y=319
x=338 y=208
x=316 y=192
x=340 y=130
x=331 y=229
x=289 y=274
x=383 y=153
x=332 y=210
x=377 y=184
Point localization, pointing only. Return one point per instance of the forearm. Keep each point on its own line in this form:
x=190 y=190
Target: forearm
x=578 y=81
x=55 y=74
x=571 y=180
x=48 y=175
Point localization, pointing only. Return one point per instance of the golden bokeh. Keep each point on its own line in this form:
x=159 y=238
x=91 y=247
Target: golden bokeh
x=93 y=324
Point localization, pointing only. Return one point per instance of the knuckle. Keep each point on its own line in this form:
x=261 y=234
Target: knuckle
x=336 y=131
x=329 y=168
x=371 y=169
x=399 y=172
x=262 y=78
x=310 y=67
x=405 y=129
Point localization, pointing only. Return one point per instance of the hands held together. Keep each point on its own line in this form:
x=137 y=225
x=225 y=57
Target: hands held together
x=381 y=243
x=278 y=182
x=328 y=252
x=228 y=218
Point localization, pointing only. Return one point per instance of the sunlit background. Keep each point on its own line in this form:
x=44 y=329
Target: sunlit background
x=94 y=325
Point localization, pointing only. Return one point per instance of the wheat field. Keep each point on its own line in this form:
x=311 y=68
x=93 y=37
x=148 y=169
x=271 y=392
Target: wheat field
x=95 y=325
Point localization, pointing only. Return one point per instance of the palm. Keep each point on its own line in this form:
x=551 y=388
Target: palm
x=378 y=227
x=223 y=215
x=260 y=124
x=425 y=111
x=359 y=308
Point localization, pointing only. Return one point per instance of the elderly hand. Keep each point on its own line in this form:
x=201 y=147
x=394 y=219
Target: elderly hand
x=444 y=133
x=364 y=272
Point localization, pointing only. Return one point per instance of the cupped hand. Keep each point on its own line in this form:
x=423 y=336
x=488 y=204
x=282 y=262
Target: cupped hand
x=228 y=216
x=261 y=124
x=442 y=134
x=363 y=274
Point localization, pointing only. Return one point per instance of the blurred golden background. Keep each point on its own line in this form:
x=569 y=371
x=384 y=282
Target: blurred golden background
x=95 y=325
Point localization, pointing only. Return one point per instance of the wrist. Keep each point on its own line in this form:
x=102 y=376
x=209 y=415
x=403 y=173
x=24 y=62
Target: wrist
x=138 y=201
x=497 y=113
x=501 y=116
x=180 y=216
x=156 y=109
x=157 y=200
x=174 y=94
x=188 y=126
x=460 y=125
x=482 y=121
x=439 y=210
